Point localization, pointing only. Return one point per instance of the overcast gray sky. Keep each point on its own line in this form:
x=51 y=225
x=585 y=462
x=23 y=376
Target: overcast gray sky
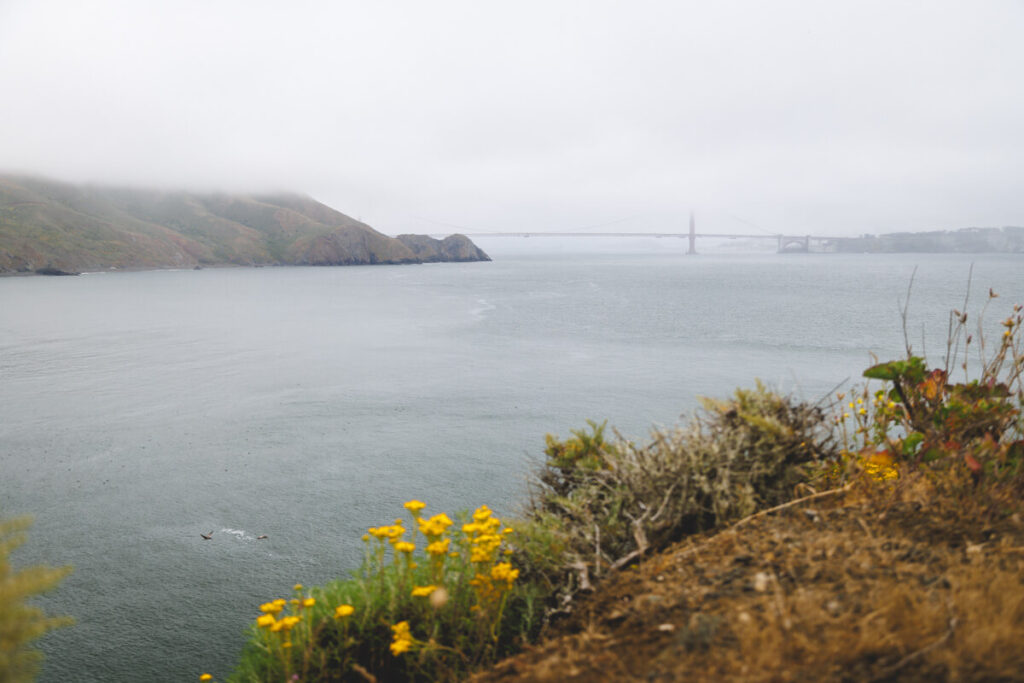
x=802 y=117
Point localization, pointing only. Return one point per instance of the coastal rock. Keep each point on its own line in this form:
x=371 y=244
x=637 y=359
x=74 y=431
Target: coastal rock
x=451 y=248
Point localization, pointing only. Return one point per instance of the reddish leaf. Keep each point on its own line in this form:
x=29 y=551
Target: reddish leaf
x=973 y=464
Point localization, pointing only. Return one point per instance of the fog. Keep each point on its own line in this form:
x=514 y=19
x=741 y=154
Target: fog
x=810 y=118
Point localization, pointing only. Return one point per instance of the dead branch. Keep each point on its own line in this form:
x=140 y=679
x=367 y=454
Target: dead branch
x=815 y=496
x=366 y=675
x=584 y=574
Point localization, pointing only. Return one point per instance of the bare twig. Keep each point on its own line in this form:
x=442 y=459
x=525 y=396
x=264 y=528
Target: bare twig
x=625 y=559
x=903 y=314
x=584 y=574
x=780 y=603
x=664 y=502
x=641 y=544
x=815 y=496
x=917 y=654
x=955 y=332
x=366 y=675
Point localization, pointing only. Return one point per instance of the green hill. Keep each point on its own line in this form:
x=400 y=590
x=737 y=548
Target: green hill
x=46 y=224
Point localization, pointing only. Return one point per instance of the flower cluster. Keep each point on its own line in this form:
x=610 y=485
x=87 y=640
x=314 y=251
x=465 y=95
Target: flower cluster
x=491 y=580
x=282 y=623
x=457 y=557
x=403 y=640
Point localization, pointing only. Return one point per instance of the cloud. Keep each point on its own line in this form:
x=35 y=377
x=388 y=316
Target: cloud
x=822 y=117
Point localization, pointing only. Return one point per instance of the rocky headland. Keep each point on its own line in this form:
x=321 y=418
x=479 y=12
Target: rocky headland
x=52 y=227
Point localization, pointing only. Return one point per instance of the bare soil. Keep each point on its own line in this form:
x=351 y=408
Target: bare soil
x=831 y=590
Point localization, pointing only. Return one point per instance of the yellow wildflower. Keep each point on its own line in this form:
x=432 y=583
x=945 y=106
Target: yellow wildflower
x=504 y=572
x=404 y=547
x=343 y=611
x=309 y=602
x=206 y=677
x=402 y=638
x=414 y=506
x=272 y=607
x=436 y=525
x=423 y=591
x=265 y=620
x=439 y=547
x=298 y=586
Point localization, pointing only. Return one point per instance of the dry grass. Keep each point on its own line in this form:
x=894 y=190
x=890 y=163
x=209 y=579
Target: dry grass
x=864 y=589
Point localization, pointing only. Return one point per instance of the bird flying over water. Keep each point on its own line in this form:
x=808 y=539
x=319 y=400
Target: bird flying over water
x=206 y=536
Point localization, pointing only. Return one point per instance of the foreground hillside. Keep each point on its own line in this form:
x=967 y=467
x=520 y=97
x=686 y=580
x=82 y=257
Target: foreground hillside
x=846 y=589
x=46 y=224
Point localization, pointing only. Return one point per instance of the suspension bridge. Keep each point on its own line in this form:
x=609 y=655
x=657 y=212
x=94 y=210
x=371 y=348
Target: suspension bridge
x=785 y=244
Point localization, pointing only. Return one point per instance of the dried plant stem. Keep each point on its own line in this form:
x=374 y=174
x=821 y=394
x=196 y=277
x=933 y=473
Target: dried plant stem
x=887 y=672
x=813 y=496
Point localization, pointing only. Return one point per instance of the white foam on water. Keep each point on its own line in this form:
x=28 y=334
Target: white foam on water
x=238 y=533
x=482 y=307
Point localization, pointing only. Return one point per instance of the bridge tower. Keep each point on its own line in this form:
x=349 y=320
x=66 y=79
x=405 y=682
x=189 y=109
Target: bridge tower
x=693 y=236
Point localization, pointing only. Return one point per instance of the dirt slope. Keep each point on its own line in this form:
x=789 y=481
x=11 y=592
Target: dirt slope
x=839 y=592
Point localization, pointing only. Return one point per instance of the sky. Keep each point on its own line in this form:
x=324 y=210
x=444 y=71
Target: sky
x=823 y=118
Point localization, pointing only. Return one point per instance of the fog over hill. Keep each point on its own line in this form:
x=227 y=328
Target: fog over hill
x=55 y=226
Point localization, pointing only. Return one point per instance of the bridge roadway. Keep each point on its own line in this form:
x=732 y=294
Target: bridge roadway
x=786 y=243
x=612 y=234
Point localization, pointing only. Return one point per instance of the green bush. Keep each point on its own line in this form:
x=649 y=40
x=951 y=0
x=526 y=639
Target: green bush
x=20 y=622
x=963 y=434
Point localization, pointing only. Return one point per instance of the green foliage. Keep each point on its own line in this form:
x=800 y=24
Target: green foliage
x=433 y=613
x=20 y=622
x=959 y=432
x=597 y=506
x=570 y=461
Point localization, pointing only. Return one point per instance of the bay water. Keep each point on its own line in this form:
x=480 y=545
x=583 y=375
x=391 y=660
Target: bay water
x=140 y=410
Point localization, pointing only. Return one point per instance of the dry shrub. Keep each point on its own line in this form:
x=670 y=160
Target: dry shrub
x=599 y=505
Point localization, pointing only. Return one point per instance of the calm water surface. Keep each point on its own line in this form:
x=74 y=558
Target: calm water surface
x=141 y=409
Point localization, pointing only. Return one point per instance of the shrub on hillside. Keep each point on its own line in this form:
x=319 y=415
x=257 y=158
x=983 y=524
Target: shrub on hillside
x=599 y=504
x=964 y=437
